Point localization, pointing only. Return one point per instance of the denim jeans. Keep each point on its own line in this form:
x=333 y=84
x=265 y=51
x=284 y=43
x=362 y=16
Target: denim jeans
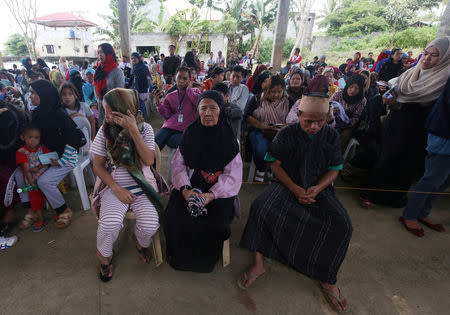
x=435 y=179
x=168 y=136
x=259 y=148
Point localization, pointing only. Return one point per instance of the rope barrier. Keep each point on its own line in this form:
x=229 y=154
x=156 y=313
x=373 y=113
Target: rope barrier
x=371 y=189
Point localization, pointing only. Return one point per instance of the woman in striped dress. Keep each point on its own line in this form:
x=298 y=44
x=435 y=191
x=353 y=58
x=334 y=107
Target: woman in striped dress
x=298 y=219
x=126 y=143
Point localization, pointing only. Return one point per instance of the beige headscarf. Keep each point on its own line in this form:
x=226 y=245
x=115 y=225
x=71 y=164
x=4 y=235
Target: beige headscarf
x=423 y=86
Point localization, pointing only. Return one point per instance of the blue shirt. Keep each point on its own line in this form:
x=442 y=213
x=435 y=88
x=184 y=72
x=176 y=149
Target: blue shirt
x=438 y=145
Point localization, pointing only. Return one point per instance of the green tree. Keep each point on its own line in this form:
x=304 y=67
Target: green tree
x=16 y=45
x=353 y=18
x=329 y=10
x=262 y=13
x=137 y=20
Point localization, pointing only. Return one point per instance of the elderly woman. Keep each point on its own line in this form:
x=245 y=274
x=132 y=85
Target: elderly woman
x=107 y=76
x=298 y=220
x=404 y=136
x=265 y=117
x=207 y=170
x=125 y=142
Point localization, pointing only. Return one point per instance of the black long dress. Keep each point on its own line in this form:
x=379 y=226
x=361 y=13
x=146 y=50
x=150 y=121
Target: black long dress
x=312 y=239
x=195 y=243
x=402 y=156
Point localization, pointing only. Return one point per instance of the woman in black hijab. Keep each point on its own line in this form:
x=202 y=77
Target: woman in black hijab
x=12 y=122
x=207 y=170
x=60 y=134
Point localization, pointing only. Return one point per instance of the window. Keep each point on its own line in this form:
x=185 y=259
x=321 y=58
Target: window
x=86 y=49
x=50 y=49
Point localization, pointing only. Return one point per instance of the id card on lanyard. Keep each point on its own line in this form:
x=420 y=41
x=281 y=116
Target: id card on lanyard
x=180 y=115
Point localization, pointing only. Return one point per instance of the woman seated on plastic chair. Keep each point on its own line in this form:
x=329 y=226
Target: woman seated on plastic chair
x=125 y=142
x=207 y=170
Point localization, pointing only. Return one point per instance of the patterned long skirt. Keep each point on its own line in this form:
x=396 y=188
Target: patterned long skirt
x=312 y=239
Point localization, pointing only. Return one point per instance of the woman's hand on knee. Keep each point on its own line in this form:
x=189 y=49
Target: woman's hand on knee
x=123 y=195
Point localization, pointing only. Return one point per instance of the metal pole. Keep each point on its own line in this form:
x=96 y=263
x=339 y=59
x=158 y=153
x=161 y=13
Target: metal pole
x=280 y=34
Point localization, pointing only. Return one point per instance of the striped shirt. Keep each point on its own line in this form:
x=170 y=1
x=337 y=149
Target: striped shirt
x=69 y=157
x=121 y=175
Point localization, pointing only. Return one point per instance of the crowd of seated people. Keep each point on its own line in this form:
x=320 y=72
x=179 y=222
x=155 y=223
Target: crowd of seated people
x=295 y=124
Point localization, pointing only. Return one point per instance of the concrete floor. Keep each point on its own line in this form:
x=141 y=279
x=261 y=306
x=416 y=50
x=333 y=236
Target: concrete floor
x=386 y=271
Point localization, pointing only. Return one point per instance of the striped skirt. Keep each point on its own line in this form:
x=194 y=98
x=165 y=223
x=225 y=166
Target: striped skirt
x=312 y=239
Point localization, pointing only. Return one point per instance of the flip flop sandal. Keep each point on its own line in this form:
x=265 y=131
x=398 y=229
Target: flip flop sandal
x=434 y=226
x=27 y=221
x=328 y=294
x=105 y=270
x=39 y=226
x=144 y=254
x=247 y=277
x=365 y=203
x=63 y=220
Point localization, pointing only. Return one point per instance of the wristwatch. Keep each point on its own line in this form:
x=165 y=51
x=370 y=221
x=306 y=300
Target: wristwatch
x=185 y=187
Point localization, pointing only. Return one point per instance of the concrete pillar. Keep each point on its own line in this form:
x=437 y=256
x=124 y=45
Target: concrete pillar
x=124 y=28
x=280 y=34
x=444 y=29
x=1 y=60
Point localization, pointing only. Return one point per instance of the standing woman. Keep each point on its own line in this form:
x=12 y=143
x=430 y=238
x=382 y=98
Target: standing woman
x=142 y=81
x=108 y=75
x=58 y=79
x=404 y=136
x=60 y=134
x=207 y=172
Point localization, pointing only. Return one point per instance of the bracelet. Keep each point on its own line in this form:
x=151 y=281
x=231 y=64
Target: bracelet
x=185 y=187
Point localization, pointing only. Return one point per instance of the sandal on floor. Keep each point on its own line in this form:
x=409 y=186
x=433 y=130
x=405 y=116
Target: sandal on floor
x=329 y=296
x=417 y=232
x=63 y=220
x=28 y=221
x=247 y=277
x=144 y=254
x=434 y=226
x=365 y=203
x=105 y=270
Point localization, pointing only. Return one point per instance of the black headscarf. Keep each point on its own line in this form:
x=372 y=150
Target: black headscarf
x=141 y=73
x=358 y=79
x=209 y=148
x=57 y=128
x=12 y=123
x=77 y=81
x=257 y=87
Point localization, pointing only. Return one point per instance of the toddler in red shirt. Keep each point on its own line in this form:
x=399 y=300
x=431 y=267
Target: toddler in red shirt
x=27 y=157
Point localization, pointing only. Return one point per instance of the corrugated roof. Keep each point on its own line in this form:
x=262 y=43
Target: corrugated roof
x=63 y=19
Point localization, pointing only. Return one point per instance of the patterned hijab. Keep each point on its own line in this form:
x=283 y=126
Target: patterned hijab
x=120 y=148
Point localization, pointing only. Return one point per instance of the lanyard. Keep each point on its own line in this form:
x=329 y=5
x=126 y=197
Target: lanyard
x=180 y=101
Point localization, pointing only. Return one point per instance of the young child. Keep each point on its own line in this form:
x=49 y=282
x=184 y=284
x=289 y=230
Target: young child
x=70 y=99
x=27 y=157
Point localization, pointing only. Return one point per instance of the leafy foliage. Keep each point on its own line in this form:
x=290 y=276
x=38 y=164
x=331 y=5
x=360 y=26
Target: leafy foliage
x=16 y=45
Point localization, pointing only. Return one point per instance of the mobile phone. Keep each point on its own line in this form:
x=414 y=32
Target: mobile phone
x=388 y=94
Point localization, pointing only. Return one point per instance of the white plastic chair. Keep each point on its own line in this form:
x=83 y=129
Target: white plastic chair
x=351 y=149
x=84 y=162
x=251 y=172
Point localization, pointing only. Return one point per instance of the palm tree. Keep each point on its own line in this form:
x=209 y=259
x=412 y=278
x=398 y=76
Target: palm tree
x=329 y=10
x=262 y=13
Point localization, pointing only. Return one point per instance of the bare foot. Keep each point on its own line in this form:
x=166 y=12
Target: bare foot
x=412 y=224
x=342 y=306
x=252 y=274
